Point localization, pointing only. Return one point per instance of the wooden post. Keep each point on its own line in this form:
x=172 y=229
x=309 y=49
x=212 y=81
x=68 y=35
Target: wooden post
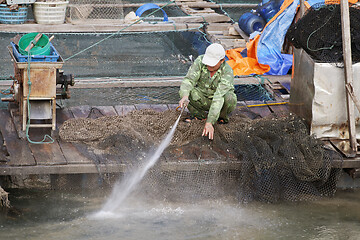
x=346 y=43
x=302 y=8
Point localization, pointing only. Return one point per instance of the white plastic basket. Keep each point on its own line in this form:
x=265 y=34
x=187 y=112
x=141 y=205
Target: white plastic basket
x=50 y=12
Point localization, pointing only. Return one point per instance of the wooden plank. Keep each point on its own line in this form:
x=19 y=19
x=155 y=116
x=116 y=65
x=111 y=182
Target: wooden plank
x=80 y=111
x=70 y=152
x=106 y=110
x=132 y=5
x=93 y=27
x=172 y=106
x=142 y=106
x=346 y=44
x=159 y=107
x=128 y=108
x=278 y=109
x=241 y=32
x=19 y=151
x=47 y=154
x=72 y=155
x=156 y=107
x=263 y=111
x=235 y=43
x=164 y=166
x=63 y=169
x=119 y=110
x=62 y=115
x=242 y=109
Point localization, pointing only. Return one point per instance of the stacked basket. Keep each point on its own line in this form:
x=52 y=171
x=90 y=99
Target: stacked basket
x=50 y=12
x=8 y=16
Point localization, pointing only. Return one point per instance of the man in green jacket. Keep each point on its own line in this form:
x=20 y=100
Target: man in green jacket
x=208 y=88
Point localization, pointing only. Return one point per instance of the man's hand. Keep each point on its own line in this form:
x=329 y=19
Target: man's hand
x=184 y=101
x=208 y=129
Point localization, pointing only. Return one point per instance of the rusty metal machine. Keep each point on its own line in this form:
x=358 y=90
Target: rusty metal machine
x=36 y=87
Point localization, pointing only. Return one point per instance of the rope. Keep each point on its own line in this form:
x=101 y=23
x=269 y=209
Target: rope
x=221 y=8
x=261 y=78
x=29 y=108
x=7 y=91
x=331 y=8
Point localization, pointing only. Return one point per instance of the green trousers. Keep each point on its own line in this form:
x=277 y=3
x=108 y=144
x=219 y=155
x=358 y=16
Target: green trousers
x=199 y=104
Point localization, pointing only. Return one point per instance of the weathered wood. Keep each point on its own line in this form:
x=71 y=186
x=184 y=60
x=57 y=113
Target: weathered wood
x=172 y=106
x=62 y=169
x=119 y=110
x=232 y=43
x=70 y=152
x=80 y=111
x=19 y=151
x=127 y=109
x=72 y=155
x=190 y=11
x=242 y=109
x=159 y=107
x=346 y=44
x=350 y=90
x=62 y=115
x=142 y=106
x=47 y=154
x=263 y=111
x=278 y=109
x=106 y=110
x=241 y=32
x=97 y=26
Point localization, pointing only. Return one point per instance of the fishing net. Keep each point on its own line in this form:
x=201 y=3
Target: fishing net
x=319 y=33
x=80 y=11
x=269 y=159
x=116 y=10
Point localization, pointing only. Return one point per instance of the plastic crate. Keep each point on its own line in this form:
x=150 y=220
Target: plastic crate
x=8 y=16
x=53 y=57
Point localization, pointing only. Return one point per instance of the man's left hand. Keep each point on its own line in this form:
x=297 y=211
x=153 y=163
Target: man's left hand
x=208 y=130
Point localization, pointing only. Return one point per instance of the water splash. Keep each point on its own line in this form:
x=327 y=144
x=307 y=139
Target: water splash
x=122 y=189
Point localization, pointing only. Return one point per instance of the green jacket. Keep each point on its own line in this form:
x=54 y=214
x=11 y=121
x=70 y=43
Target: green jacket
x=214 y=88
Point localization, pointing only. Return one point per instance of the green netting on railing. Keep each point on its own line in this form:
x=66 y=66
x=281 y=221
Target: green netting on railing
x=134 y=55
x=149 y=95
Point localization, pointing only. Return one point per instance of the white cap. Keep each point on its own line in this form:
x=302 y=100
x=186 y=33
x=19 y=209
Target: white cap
x=213 y=54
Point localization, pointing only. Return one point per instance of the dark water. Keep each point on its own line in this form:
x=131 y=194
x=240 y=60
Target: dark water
x=60 y=215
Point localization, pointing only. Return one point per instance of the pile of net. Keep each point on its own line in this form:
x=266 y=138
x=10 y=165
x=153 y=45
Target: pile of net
x=266 y=159
x=319 y=33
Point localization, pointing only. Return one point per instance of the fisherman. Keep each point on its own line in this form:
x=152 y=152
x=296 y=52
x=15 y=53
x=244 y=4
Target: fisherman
x=208 y=88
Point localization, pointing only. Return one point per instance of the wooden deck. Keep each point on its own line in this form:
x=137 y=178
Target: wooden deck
x=22 y=158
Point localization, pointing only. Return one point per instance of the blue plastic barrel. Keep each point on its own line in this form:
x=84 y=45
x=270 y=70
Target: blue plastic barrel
x=268 y=10
x=8 y=16
x=149 y=6
x=249 y=23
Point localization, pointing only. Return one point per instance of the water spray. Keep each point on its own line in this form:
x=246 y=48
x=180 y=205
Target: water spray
x=123 y=188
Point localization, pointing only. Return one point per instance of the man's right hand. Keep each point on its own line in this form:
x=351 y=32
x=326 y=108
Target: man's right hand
x=184 y=101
